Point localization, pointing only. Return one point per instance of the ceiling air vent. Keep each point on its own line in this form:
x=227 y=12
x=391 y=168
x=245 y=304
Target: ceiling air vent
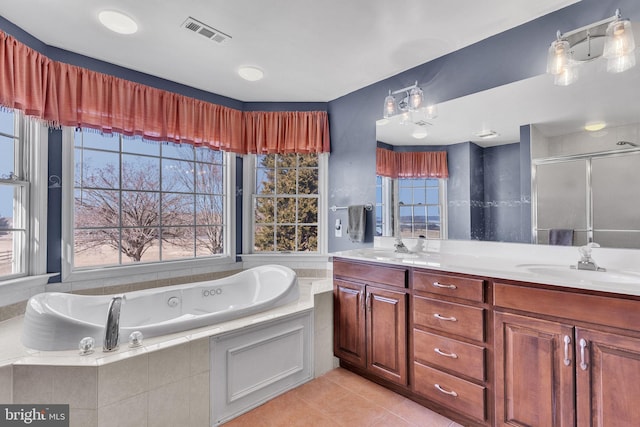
x=205 y=30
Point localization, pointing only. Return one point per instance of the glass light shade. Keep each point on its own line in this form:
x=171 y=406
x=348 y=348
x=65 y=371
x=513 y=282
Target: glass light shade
x=390 y=106
x=568 y=75
x=619 y=39
x=558 y=57
x=405 y=118
x=416 y=96
x=431 y=111
x=621 y=63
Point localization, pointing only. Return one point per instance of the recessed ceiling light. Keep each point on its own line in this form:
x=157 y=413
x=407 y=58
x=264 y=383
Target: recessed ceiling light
x=594 y=126
x=251 y=73
x=118 y=22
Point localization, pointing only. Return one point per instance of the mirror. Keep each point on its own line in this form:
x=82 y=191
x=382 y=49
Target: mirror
x=556 y=116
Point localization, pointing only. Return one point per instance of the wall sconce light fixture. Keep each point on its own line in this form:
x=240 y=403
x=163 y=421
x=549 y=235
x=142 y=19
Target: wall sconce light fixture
x=408 y=102
x=611 y=38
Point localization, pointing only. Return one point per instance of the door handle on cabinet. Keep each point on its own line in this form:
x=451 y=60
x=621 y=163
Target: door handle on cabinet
x=567 y=341
x=448 y=319
x=442 y=353
x=445 y=286
x=583 y=346
x=442 y=390
x=368 y=301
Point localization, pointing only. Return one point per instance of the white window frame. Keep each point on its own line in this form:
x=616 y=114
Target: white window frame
x=33 y=146
x=123 y=274
x=248 y=225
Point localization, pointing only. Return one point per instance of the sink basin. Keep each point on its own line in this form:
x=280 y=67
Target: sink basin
x=565 y=272
x=386 y=254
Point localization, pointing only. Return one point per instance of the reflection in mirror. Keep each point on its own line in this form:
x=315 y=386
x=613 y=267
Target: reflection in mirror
x=490 y=193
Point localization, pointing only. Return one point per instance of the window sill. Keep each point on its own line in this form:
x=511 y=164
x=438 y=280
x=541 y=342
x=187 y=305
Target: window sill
x=22 y=288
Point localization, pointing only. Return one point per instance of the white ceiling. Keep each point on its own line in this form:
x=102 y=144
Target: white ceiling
x=310 y=50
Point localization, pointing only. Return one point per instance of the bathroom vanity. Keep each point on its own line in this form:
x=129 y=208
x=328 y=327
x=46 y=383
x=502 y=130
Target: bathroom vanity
x=513 y=344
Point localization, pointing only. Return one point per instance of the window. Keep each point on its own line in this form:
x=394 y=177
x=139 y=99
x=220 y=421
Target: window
x=286 y=203
x=14 y=189
x=420 y=202
x=138 y=201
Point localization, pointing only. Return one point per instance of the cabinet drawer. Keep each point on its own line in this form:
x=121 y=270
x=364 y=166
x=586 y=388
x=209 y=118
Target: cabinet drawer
x=453 y=286
x=463 y=358
x=453 y=392
x=370 y=273
x=457 y=319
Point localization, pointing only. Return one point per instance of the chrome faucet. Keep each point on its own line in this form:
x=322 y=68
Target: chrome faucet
x=400 y=247
x=112 y=327
x=586 y=262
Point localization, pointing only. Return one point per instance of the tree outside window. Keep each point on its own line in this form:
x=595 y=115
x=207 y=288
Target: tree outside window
x=286 y=203
x=139 y=201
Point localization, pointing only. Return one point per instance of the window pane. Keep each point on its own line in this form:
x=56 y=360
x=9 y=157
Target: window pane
x=175 y=151
x=308 y=181
x=209 y=240
x=7 y=157
x=98 y=169
x=286 y=210
x=140 y=173
x=140 y=209
x=265 y=210
x=209 y=178
x=433 y=196
x=286 y=239
x=405 y=196
x=96 y=247
x=264 y=238
x=140 y=244
x=308 y=238
x=286 y=181
x=308 y=160
x=209 y=210
x=177 y=176
x=177 y=243
x=204 y=154
x=97 y=208
x=92 y=139
x=9 y=260
x=307 y=211
x=138 y=146
x=7 y=122
x=419 y=196
x=177 y=209
x=286 y=160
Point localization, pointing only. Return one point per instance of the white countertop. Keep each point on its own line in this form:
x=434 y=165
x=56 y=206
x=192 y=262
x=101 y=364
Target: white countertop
x=542 y=264
x=13 y=352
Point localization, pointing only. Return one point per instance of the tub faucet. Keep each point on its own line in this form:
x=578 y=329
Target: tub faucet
x=586 y=262
x=112 y=327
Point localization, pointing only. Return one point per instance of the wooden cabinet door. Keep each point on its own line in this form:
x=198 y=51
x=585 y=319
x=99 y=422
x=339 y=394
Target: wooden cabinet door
x=387 y=334
x=608 y=379
x=534 y=372
x=349 y=322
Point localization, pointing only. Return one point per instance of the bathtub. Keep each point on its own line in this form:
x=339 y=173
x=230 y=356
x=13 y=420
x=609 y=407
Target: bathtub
x=58 y=321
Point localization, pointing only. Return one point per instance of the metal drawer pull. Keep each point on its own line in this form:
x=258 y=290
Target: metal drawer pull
x=441 y=390
x=583 y=345
x=442 y=353
x=567 y=341
x=448 y=319
x=440 y=285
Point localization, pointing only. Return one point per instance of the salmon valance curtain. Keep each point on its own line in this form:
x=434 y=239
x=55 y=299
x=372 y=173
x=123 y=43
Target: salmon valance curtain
x=67 y=95
x=286 y=132
x=395 y=164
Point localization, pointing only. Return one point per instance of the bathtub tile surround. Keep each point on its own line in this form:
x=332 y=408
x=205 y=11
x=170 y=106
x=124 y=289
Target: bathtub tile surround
x=164 y=382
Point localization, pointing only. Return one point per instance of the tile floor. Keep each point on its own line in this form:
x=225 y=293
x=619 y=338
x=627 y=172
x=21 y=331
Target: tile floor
x=341 y=398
